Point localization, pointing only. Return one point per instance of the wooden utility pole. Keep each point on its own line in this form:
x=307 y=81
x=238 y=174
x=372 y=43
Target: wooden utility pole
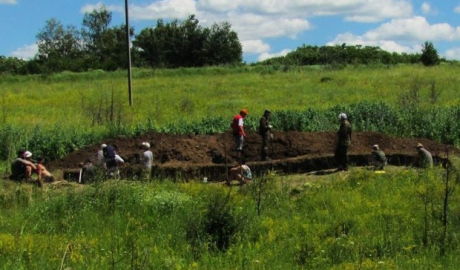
x=128 y=48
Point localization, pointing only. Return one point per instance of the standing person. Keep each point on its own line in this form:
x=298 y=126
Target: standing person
x=19 y=166
x=242 y=173
x=43 y=174
x=343 y=142
x=238 y=129
x=100 y=156
x=110 y=160
x=378 y=158
x=147 y=161
x=265 y=133
x=424 y=159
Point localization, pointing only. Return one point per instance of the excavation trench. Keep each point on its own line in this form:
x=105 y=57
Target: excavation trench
x=197 y=156
x=219 y=172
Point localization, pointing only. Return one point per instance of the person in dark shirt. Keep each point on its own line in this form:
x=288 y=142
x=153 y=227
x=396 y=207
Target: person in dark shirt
x=343 y=142
x=265 y=133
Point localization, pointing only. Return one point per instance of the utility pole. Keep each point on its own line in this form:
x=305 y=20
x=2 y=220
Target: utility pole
x=128 y=45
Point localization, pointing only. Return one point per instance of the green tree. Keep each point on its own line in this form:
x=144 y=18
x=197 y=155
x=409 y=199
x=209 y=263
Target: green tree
x=187 y=44
x=59 y=48
x=222 y=45
x=429 y=55
x=95 y=26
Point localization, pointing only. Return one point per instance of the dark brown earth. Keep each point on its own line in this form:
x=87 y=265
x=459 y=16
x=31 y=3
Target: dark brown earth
x=193 y=155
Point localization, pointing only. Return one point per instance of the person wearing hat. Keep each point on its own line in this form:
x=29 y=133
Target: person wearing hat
x=147 y=161
x=100 y=159
x=424 y=159
x=378 y=158
x=265 y=133
x=21 y=168
x=343 y=142
x=238 y=129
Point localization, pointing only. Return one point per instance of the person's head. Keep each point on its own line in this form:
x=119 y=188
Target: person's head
x=103 y=146
x=342 y=117
x=375 y=147
x=419 y=146
x=146 y=145
x=267 y=113
x=88 y=161
x=21 y=153
x=244 y=113
x=27 y=155
x=40 y=159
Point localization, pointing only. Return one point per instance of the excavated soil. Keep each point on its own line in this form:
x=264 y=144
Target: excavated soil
x=188 y=156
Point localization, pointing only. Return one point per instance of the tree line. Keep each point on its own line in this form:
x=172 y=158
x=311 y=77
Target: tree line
x=174 y=44
x=353 y=54
x=99 y=46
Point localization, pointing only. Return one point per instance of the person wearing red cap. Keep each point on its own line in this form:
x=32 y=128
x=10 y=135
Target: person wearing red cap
x=238 y=129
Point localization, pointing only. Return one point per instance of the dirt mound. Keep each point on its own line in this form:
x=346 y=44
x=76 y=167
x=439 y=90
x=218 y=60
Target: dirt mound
x=186 y=151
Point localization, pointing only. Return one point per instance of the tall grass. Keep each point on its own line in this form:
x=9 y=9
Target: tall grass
x=356 y=221
x=53 y=115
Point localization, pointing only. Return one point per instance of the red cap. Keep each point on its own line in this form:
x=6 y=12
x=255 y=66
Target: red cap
x=244 y=111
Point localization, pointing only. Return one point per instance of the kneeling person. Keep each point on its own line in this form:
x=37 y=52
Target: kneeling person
x=378 y=158
x=241 y=173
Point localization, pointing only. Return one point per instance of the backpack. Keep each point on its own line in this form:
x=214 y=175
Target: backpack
x=109 y=152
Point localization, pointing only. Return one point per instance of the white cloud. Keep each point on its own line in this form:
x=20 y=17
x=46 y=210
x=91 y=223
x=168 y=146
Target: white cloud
x=457 y=9
x=8 y=1
x=353 y=10
x=26 y=52
x=426 y=8
x=165 y=9
x=402 y=35
x=267 y=55
x=252 y=26
x=414 y=29
x=453 y=54
x=255 y=46
x=90 y=8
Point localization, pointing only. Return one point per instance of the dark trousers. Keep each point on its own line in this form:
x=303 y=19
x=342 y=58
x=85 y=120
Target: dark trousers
x=264 y=150
x=341 y=156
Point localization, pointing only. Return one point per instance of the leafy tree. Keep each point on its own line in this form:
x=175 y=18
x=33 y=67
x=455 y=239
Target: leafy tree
x=59 y=48
x=222 y=45
x=429 y=55
x=187 y=44
x=95 y=26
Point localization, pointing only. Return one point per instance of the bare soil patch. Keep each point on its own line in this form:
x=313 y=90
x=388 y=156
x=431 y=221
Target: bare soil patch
x=193 y=156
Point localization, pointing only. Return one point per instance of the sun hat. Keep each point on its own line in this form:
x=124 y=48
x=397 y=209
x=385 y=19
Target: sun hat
x=375 y=146
x=342 y=116
x=27 y=154
x=419 y=145
x=103 y=145
x=146 y=144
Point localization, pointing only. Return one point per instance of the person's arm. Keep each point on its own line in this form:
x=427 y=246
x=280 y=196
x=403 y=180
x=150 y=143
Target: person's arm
x=241 y=127
x=27 y=163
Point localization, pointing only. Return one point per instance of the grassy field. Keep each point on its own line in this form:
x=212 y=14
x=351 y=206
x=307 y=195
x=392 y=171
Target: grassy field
x=353 y=220
x=60 y=113
x=163 y=96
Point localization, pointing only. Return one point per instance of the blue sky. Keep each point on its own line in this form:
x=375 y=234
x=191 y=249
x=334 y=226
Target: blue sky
x=266 y=28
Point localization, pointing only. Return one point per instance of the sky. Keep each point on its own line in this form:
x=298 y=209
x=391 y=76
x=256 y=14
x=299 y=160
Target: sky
x=266 y=28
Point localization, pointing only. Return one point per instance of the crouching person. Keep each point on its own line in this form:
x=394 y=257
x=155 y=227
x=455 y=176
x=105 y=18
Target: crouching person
x=241 y=173
x=378 y=158
x=43 y=174
x=21 y=167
